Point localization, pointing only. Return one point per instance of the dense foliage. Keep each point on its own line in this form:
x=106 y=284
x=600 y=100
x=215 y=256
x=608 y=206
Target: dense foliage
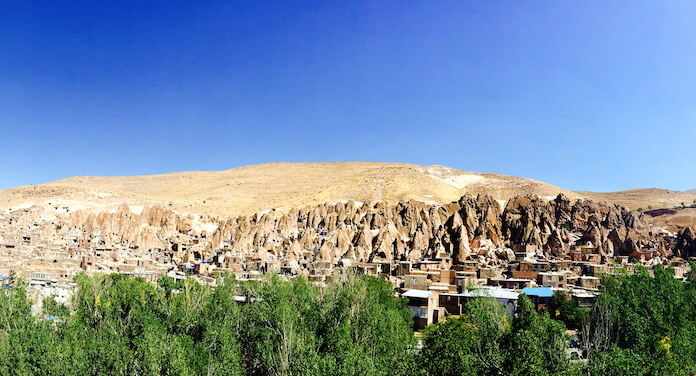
x=639 y=325
x=116 y=324
x=359 y=328
x=644 y=325
x=122 y=325
x=486 y=341
x=562 y=308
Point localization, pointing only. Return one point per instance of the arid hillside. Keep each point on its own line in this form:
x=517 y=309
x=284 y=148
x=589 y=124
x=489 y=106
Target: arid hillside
x=646 y=199
x=672 y=219
x=250 y=189
x=666 y=209
x=282 y=186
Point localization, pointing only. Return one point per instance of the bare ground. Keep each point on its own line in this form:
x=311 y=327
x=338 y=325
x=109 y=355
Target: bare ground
x=254 y=188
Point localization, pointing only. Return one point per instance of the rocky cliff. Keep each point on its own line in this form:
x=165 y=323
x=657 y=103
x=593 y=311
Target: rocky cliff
x=685 y=246
x=473 y=227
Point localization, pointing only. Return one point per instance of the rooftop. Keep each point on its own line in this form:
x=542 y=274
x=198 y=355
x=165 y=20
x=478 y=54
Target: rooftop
x=494 y=293
x=417 y=293
x=542 y=292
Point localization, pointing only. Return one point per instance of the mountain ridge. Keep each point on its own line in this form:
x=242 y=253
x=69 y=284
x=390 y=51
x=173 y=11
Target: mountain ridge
x=283 y=185
x=249 y=189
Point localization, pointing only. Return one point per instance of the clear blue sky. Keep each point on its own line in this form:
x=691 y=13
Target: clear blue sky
x=586 y=95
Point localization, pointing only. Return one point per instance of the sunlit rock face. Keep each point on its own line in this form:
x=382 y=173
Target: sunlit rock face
x=473 y=227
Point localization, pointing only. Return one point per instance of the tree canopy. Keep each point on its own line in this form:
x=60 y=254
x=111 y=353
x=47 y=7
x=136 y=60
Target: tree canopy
x=645 y=325
x=122 y=325
x=486 y=341
x=117 y=324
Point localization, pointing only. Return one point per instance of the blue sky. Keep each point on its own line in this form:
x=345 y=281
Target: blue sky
x=586 y=95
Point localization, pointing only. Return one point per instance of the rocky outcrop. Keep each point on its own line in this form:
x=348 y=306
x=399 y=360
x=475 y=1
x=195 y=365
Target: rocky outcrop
x=472 y=228
x=685 y=246
x=551 y=225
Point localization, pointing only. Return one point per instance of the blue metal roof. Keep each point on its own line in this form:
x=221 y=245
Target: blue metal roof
x=542 y=292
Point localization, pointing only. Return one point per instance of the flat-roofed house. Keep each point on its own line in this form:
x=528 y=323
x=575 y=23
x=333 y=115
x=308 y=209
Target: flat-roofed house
x=582 y=298
x=416 y=281
x=523 y=251
x=540 y=296
x=455 y=303
x=552 y=279
x=423 y=305
x=506 y=297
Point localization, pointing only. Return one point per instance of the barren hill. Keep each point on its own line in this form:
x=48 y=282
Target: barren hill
x=254 y=188
x=644 y=198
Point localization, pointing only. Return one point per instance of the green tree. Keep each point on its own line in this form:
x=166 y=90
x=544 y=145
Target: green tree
x=483 y=342
x=565 y=310
x=295 y=327
x=450 y=348
x=652 y=324
x=54 y=308
x=468 y=345
x=537 y=344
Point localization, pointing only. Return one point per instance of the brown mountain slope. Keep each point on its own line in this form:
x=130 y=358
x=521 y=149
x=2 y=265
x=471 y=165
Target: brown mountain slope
x=254 y=188
x=642 y=198
x=673 y=219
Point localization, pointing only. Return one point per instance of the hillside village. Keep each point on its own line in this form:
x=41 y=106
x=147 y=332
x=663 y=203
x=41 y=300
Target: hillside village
x=438 y=256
